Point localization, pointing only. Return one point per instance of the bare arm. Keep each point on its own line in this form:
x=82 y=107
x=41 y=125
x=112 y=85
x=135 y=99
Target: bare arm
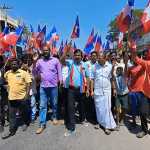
x=67 y=48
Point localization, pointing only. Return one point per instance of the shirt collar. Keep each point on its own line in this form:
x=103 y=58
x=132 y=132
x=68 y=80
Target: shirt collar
x=18 y=71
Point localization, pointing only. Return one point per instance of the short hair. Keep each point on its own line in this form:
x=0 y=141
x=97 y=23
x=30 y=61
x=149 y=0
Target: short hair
x=94 y=52
x=102 y=54
x=78 y=51
x=15 y=59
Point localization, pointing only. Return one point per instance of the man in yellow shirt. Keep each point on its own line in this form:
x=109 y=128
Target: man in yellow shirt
x=18 y=92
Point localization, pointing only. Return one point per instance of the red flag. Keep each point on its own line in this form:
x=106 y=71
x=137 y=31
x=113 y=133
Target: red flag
x=98 y=45
x=12 y=37
x=124 y=19
x=146 y=19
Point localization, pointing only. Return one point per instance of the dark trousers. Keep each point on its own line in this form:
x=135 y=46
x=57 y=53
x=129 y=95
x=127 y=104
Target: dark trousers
x=144 y=123
x=3 y=102
x=90 y=110
x=23 y=107
x=73 y=96
x=62 y=103
x=143 y=107
x=2 y=112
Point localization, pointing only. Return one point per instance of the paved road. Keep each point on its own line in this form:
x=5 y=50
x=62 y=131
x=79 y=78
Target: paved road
x=86 y=138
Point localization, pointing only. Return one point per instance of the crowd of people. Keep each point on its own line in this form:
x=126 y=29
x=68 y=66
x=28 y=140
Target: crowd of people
x=107 y=88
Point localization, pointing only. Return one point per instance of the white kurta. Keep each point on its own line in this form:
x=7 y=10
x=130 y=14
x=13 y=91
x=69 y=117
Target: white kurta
x=102 y=95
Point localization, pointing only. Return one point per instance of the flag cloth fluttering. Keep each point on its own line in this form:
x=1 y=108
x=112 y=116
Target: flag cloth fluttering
x=40 y=38
x=98 y=45
x=12 y=37
x=90 y=42
x=125 y=17
x=5 y=31
x=76 y=29
x=146 y=18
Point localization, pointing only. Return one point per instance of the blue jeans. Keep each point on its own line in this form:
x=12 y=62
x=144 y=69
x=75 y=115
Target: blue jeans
x=33 y=107
x=50 y=93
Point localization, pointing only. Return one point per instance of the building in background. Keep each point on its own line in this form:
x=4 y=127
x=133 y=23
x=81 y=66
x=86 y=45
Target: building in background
x=6 y=19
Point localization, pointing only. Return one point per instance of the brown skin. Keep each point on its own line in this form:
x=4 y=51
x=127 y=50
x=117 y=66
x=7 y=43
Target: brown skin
x=102 y=60
x=46 y=53
x=15 y=67
x=93 y=58
x=67 y=49
x=77 y=57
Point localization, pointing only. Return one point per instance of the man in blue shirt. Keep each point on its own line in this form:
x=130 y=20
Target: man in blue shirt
x=77 y=84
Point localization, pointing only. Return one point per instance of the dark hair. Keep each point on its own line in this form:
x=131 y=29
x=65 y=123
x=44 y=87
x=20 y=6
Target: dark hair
x=94 y=52
x=1 y=58
x=78 y=51
x=15 y=59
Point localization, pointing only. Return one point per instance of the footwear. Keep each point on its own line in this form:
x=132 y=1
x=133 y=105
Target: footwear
x=32 y=122
x=141 y=134
x=117 y=128
x=1 y=128
x=69 y=133
x=55 y=122
x=96 y=127
x=107 y=132
x=24 y=127
x=40 y=130
x=7 y=135
x=85 y=123
x=61 y=122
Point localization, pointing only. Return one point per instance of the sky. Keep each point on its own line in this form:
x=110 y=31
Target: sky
x=62 y=14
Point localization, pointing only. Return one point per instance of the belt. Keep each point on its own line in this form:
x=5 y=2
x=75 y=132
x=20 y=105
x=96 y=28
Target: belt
x=74 y=88
x=123 y=95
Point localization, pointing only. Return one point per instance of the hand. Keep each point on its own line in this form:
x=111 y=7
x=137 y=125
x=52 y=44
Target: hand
x=87 y=93
x=113 y=63
x=60 y=83
x=92 y=93
x=114 y=93
x=133 y=55
x=35 y=57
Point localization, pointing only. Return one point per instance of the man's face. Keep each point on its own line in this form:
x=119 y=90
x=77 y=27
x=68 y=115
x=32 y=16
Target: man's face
x=118 y=59
x=14 y=65
x=93 y=57
x=102 y=59
x=77 y=57
x=46 y=52
x=113 y=57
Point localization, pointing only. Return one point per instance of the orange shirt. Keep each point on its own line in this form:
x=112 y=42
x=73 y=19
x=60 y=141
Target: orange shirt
x=135 y=77
x=146 y=78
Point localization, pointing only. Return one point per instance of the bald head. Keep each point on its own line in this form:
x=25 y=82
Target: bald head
x=46 y=52
x=102 y=58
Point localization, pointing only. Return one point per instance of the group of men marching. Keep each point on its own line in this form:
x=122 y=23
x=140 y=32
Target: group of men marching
x=106 y=87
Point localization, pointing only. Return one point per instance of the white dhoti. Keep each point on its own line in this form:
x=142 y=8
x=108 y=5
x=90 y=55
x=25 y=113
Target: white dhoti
x=103 y=111
x=102 y=95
